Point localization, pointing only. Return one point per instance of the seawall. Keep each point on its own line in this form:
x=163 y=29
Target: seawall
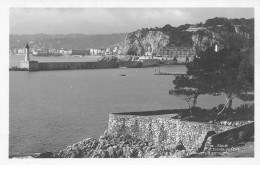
x=130 y=64
x=42 y=66
x=160 y=130
x=155 y=134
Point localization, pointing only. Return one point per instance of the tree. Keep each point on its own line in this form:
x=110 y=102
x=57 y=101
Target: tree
x=235 y=78
x=198 y=80
x=228 y=72
x=185 y=90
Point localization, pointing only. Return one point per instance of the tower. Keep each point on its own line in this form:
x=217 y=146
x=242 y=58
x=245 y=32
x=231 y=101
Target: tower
x=27 y=63
x=27 y=57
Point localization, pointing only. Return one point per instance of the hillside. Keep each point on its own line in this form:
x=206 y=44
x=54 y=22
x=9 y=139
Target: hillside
x=222 y=31
x=226 y=32
x=66 y=41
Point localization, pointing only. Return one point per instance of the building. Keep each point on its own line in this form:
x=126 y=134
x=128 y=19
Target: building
x=194 y=29
x=78 y=52
x=21 y=51
x=94 y=52
x=109 y=51
x=179 y=54
x=239 y=30
x=67 y=52
x=218 y=47
x=115 y=50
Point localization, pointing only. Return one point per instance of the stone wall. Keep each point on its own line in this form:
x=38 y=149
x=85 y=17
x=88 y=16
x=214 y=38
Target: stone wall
x=130 y=64
x=75 y=65
x=161 y=130
x=44 y=66
x=30 y=65
x=150 y=62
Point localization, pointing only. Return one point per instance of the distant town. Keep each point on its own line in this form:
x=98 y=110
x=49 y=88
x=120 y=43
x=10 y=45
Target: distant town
x=169 y=52
x=177 y=54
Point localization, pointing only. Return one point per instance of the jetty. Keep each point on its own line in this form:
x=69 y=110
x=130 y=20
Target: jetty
x=173 y=73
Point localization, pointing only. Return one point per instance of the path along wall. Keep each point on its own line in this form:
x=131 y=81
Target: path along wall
x=230 y=137
x=164 y=131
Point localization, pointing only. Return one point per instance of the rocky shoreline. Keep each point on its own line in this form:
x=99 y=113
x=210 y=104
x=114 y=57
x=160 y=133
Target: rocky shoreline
x=126 y=146
x=117 y=146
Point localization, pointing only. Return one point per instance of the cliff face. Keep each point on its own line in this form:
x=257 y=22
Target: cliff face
x=205 y=39
x=140 y=42
x=153 y=42
x=221 y=31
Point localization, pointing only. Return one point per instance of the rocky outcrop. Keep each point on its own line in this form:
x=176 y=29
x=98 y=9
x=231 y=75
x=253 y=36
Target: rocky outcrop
x=202 y=40
x=120 y=146
x=127 y=146
x=140 y=42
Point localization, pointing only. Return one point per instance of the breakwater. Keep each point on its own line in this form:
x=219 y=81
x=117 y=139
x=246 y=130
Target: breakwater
x=166 y=73
x=105 y=62
x=44 y=66
x=75 y=65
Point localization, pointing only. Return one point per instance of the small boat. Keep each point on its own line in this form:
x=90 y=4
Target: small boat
x=122 y=74
x=122 y=67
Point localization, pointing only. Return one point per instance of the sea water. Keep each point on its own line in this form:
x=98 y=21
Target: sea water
x=49 y=110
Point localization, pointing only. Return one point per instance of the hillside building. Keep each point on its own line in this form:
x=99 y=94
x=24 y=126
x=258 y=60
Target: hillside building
x=79 y=52
x=179 y=54
x=194 y=29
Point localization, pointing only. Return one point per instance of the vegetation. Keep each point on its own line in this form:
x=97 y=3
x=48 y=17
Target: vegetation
x=242 y=114
x=16 y=68
x=229 y=72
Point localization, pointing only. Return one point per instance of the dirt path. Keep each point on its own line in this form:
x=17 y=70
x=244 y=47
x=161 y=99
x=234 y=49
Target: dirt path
x=244 y=151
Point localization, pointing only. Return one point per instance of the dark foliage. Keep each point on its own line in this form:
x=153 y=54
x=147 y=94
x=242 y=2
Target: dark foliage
x=228 y=71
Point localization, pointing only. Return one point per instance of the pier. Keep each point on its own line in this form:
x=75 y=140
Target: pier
x=173 y=73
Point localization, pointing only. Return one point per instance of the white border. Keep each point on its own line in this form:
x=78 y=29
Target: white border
x=116 y=163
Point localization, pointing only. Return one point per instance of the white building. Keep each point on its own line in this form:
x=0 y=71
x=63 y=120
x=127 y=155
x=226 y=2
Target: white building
x=194 y=29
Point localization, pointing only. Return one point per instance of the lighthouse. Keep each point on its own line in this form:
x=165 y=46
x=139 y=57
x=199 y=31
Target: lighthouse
x=28 y=64
x=27 y=57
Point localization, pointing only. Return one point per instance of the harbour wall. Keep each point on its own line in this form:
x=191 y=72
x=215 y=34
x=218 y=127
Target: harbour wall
x=131 y=64
x=150 y=62
x=42 y=66
x=163 y=131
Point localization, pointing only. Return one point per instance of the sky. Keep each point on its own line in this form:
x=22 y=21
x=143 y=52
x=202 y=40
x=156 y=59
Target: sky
x=111 y=20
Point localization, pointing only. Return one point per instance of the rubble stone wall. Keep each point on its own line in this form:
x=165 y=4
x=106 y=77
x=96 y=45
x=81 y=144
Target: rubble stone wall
x=163 y=131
